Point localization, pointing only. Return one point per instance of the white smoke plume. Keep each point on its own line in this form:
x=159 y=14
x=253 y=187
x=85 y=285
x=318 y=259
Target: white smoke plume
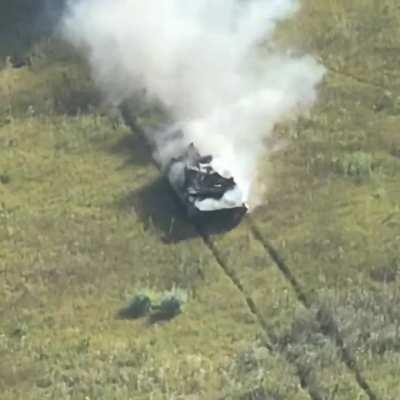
x=203 y=60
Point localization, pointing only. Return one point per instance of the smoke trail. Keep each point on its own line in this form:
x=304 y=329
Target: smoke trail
x=202 y=60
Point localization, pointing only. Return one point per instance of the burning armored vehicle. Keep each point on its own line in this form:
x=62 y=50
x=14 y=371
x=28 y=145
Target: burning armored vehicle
x=202 y=188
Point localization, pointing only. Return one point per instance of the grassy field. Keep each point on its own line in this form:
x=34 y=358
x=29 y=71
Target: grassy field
x=301 y=301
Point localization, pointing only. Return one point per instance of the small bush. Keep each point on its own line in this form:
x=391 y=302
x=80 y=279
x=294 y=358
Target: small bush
x=138 y=307
x=159 y=306
x=358 y=164
x=171 y=304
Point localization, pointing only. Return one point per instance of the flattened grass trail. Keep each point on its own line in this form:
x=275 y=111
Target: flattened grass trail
x=300 y=301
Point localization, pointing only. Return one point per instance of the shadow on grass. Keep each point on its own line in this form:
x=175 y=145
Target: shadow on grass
x=138 y=307
x=74 y=96
x=135 y=148
x=158 y=208
x=23 y=22
x=126 y=314
x=30 y=38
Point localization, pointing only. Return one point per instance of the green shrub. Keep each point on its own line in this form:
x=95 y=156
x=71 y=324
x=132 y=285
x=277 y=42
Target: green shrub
x=159 y=306
x=171 y=304
x=138 y=307
x=358 y=164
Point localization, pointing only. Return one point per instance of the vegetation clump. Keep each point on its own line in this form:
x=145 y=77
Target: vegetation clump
x=138 y=307
x=171 y=304
x=358 y=164
x=4 y=179
x=158 y=306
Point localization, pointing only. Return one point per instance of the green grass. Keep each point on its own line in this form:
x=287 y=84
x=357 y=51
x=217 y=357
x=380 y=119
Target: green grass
x=86 y=223
x=333 y=211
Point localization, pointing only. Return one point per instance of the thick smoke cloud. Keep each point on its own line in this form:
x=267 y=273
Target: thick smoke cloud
x=203 y=60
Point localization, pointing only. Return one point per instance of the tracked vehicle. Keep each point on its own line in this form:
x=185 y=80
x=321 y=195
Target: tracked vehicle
x=201 y=188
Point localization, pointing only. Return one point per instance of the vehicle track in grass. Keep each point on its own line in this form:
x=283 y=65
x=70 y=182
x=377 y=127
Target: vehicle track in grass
x=326 y=322
x=130 y=120
x=353 y=77
x=254 y=310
